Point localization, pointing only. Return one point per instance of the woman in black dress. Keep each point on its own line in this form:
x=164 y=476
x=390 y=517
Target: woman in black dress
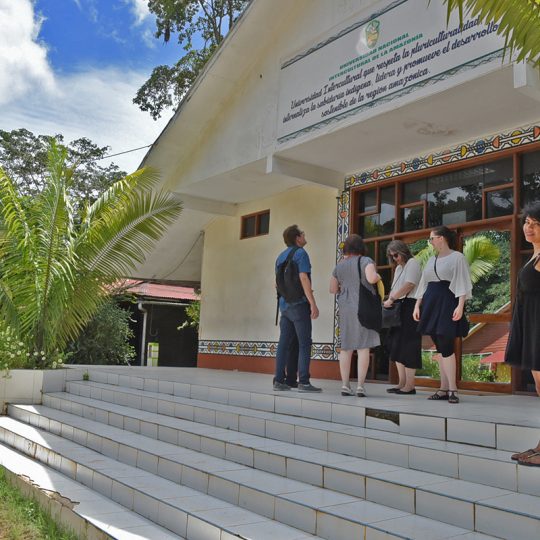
x=442 y=291
x=523 y=349
x=404 y=342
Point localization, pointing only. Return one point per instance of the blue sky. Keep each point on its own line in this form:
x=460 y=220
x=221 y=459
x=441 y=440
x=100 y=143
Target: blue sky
x=74 y=66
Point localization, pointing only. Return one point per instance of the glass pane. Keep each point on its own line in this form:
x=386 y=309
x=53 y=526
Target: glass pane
x=455 y=197
x=483 y=354
x=368 y=201
x=430 y=366
x=264 y=223
x=413 y=192
x=248 y=226
x=412 y=219
x=499 y=203
x=387 y=216
x=370 y=249
x=498 y=172
x=530 y=182
x=490 y=269
x=383 y=259
x=369 y=226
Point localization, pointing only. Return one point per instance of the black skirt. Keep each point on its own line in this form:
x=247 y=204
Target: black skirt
x=438 y=305
x=405 y=342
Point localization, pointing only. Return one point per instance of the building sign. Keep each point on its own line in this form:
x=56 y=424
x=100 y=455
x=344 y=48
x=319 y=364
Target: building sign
x=405 y=46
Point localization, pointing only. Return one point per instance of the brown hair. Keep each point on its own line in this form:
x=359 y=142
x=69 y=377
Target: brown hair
x=447 y=234
x=290 y=234
x=354 y=245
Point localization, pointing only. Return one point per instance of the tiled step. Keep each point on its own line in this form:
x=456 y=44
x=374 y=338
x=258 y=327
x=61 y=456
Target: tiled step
x=314 y=510
x=391 y=414
x=183 y=510
x=87 y=513
x=456 y=460
x=437 y=497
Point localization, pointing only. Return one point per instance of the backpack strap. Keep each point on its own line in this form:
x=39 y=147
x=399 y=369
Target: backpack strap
x=287 y=261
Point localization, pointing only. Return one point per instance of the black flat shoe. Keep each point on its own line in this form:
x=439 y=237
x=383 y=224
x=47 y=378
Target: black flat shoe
x=407 y=393
x=393 y=390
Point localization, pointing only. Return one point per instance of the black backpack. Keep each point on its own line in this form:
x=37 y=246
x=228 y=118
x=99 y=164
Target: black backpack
x=288 y=282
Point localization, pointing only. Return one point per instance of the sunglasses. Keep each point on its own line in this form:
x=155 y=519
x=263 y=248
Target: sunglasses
x=430 y=239
x=394 y=256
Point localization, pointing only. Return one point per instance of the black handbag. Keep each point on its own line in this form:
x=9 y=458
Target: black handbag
x=369 y=305
x=391 y=316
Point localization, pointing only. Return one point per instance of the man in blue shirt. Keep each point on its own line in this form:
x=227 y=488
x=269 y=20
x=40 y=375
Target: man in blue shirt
x=295 y=321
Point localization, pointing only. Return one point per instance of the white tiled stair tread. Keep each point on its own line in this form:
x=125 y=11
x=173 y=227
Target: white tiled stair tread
x=172 y=406
x=221 y=386
x=391 y=473
x=441 y=486
x=108 y=516
x=306 y=507
x=343 y=438
x=155 y=494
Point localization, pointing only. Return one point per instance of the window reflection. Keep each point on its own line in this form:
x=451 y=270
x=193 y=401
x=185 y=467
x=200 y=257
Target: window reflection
x=530 y=183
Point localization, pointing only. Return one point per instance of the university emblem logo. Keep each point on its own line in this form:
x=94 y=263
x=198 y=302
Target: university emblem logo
x=372 y=33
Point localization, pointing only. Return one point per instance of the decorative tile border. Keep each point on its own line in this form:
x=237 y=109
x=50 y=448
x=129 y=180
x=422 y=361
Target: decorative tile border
x=319 y=351
x=479 y=147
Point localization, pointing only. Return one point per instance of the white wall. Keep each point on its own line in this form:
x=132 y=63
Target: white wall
x=238 y=294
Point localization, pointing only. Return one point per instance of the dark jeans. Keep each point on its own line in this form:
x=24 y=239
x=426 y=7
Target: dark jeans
x=294 y=340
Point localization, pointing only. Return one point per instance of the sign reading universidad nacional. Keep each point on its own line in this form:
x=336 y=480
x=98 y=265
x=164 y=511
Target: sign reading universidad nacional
x=405 y=46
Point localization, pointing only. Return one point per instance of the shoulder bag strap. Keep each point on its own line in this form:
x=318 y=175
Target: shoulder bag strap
x=435 y=268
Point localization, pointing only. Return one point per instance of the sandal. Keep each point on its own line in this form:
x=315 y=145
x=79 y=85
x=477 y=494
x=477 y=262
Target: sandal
x=531 y=461
x=438 y=397
x=346 y=391
x=452 y=397
x=524 y=454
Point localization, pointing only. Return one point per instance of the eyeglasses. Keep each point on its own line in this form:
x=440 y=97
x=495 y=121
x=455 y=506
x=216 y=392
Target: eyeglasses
x=430 y=239
x=394 y=256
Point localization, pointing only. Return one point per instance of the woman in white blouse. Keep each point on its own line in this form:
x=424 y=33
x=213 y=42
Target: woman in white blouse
x=441 y=294
x=404 y=342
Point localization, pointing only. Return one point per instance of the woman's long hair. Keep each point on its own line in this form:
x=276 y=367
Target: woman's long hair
x=400 y=247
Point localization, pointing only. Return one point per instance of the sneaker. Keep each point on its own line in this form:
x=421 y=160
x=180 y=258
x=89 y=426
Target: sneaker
x=279 y=386
x=346 y=391
x=360 y=392
x=308 y=388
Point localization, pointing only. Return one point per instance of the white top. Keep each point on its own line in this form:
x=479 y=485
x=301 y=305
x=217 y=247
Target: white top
x=452 y=268
x=410 y=273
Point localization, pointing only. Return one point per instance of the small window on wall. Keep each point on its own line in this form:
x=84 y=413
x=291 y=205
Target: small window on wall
x=255 y=224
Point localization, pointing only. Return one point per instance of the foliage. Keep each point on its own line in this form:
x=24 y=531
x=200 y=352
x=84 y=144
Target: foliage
x=193 y=314
x=23 y=157
x=194 y=21
x=21 y=517
x=518 y=20
x=106 y=338
x=471 y=369
x=56 y=261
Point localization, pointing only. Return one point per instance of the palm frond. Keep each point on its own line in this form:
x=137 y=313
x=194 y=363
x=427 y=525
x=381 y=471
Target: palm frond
x=518 y=21
x=481 y=254
x=424 y=255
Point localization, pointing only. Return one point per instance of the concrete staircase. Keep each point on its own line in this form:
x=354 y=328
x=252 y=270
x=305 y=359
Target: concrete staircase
x=147 y=457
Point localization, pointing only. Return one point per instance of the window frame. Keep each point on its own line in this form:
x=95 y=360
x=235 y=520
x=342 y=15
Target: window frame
x=257 y=216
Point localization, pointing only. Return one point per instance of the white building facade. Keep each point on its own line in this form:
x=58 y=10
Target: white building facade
x=346 y=116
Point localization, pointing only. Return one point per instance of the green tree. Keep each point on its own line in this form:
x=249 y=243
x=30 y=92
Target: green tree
x=24 y=158
x=200 y=26
x=57 y=261
x=519 y=22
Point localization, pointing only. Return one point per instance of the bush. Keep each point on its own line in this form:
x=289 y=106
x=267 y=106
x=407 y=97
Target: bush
x=105 y=340
x=15 y=354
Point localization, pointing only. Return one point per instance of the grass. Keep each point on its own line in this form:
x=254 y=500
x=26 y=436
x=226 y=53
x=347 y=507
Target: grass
x=21 y=518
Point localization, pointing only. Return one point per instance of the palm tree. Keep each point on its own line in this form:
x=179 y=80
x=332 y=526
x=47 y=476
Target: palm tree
x=57 y=263
x=518 y=20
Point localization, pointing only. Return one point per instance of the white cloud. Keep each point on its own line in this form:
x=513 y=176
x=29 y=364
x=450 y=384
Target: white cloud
x=23 y=60
x=95 y=104
x=139 y=9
